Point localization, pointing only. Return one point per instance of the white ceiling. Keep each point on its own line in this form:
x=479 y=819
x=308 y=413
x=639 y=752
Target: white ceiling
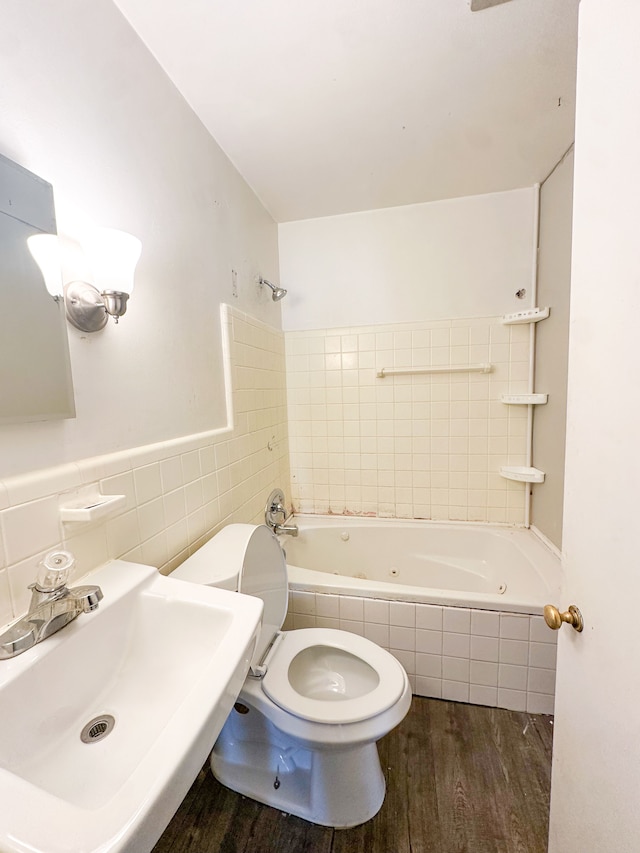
x=333 y=106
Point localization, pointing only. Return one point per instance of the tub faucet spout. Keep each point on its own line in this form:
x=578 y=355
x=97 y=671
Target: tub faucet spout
x=289 y=529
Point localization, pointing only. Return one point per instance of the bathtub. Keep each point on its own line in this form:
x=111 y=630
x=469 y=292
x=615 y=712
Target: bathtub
x=459 y=605
x=460 y=565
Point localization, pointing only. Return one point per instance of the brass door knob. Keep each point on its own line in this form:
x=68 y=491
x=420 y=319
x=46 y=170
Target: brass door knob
x=554 y=618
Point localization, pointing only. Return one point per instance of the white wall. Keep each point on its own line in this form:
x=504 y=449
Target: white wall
x=462 y=257
x=552 y=345
x=85 y=106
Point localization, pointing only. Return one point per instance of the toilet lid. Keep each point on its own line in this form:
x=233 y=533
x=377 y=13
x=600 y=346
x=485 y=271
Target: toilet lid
x=331 y=676
x=263 y=574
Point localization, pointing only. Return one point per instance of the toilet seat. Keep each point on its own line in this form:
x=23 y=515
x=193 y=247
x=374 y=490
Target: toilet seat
x=324 y=646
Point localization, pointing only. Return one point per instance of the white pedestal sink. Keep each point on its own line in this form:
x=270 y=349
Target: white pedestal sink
x=163 y=658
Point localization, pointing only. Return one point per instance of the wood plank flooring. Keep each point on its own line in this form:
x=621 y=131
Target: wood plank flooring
x=460 y=779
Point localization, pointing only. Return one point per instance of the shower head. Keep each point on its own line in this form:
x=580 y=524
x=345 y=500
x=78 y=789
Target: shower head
x=277 y=292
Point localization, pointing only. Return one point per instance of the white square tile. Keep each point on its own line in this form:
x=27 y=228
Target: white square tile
x=514 y=627
x=539 y=703
x=351 y=608
x=539 y=631
x=376 y=611
x=406 y=658
x=542 y=681
x=455 y=645
x=542 y=655
x=171 y=474
x=327 y=622
x=328 y=605
x=455 y=691
x=302 y=620
x=430 y=687
x=353 y=626
x=512 y=677
x=430 y=665
x=30 y=528
x=455 y=669
x=514 y=651
x=485 y=623
x=483 y=695
x=148 y=483
x=151 y=519
x=154 y=550
x=429 y=616
x=402 y=613
x=303 y=602
x=6 y=610
x=513 y=700
x=429 y=641
x=89 y=547
x=193 y=496
x=457 y=620
x=377 y=633
x=175 y=507
x=402 y=638
x=191 y=469
x=485 y=649
x=483 y=673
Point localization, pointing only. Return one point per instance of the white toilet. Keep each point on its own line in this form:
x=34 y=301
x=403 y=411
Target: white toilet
x=302 y=735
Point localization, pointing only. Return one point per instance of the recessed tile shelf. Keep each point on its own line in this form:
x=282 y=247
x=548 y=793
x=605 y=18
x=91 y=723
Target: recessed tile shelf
x=522 y=474
x=100 y=507
x=524 y=399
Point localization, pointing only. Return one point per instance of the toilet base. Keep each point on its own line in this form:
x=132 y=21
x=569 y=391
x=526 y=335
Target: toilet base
x=339 y=787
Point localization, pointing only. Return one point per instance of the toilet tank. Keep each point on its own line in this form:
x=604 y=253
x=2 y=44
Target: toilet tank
x=211 y=566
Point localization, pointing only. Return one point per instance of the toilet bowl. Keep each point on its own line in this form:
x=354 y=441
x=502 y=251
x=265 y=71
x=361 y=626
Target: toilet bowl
x=302 y=734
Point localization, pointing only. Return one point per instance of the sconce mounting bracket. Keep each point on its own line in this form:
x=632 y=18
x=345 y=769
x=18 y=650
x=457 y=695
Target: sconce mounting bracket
x=85 y=307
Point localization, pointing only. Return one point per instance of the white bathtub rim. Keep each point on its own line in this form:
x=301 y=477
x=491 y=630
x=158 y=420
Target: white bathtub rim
x=545 y=562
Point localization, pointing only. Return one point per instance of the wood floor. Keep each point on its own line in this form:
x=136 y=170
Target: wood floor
x=460 y=779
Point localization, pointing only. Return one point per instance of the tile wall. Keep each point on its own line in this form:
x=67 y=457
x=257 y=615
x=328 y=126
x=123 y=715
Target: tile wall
x=179 y=493
x=420 y=446
x=505 y=660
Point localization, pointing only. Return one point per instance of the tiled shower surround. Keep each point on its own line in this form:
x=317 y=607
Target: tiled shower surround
x=479 y=656
x=419 y=446
x=179 y=492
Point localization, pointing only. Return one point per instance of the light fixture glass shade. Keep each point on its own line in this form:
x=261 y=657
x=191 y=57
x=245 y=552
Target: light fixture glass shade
x=45 y=249
x=113 y=256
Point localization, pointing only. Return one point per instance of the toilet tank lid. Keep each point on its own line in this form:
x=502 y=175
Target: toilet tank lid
x=209 y=565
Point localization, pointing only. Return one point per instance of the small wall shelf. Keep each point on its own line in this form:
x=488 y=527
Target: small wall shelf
x=524 y=399
x=92 y=509
x=530 y=315
x=522 y=474
x=448 y=368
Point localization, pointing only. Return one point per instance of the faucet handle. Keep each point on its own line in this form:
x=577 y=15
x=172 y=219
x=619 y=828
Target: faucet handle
x=88 y=596
x=54 y=571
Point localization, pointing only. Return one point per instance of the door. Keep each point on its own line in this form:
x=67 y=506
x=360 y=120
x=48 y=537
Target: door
x=595 y=790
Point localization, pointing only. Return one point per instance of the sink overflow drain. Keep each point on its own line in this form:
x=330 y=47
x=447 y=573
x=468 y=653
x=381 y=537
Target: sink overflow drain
x=97 y=729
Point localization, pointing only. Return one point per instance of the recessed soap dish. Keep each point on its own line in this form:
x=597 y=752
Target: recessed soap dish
x=99 y=506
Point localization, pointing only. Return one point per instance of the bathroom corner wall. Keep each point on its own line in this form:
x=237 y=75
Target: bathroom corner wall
x=179 y=492
x=552 y=349
x=420 y=446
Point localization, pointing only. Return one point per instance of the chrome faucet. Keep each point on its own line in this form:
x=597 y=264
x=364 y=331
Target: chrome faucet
x=53 y=605
x=275 y=507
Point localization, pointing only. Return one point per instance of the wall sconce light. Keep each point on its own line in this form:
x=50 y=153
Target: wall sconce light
x=112 y=255
x=45 y=250
x=277 y=293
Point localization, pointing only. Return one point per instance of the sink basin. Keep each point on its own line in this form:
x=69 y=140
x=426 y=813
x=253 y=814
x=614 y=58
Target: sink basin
x=149 y=678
